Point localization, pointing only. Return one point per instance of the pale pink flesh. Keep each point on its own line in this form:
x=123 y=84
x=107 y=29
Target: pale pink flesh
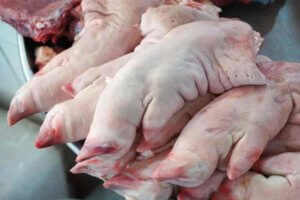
x=232 y=122
x=135 y=181
x=106 y=71
x=74 y=119
x=277 y=178
x=155 y=24
x=107 y=23
x=286 y=141
x=104 y=168
x=147 y=83
x=175 y=124
x=70 y=121
x=132 y=188
x=238 y=132
x=288 y=73
x=205 y=191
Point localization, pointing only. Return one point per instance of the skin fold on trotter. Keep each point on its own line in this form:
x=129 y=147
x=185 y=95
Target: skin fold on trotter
x=103 y=38
x=238 y=133
x=267 y=180
x=197 y=67
x=69 y=121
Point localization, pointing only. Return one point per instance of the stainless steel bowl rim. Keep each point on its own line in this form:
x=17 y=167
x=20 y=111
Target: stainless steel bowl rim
x=28 y=73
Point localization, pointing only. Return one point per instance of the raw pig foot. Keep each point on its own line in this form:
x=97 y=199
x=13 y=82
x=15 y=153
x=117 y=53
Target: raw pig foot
x=107 y=23
x=176 y=75
x=238 y=132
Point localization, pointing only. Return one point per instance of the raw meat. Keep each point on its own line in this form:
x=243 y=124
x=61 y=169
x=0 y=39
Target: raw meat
x=105 y=71
x=210 y=57
x=76 y=25
x=42 y=20
x=288 y=140
x=155 y=24
x=70 y=121
x=106 y=168
x=238 y=128
x=176 y=123
x=233 y=122
x=43 y=55
x=278 y=177
x=104 y=37
x=135 y=181
x=204 y=191
x=97 y=165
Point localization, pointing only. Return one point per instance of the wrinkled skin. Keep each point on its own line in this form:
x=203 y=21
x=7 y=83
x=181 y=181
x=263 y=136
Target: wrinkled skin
x=103 y=167
x=107 y=23
x=239 y=132
x=135 y=181
x=70 y=121
x=238 y=127
x=176 y=123
x=204 y=191
x=155 y=24
x=276 y=177
x=288 y=140
x=141 y=91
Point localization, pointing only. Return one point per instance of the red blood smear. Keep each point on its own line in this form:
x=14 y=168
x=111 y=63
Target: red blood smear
x=103 y=150
x=224 y=193
x=89 y=150
x=255 y=156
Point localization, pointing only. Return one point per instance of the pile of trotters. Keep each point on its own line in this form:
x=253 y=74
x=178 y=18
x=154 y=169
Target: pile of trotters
x=171 y=99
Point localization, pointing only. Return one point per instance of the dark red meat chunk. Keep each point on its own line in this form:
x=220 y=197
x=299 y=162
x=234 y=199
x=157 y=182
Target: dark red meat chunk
x=42 y=20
